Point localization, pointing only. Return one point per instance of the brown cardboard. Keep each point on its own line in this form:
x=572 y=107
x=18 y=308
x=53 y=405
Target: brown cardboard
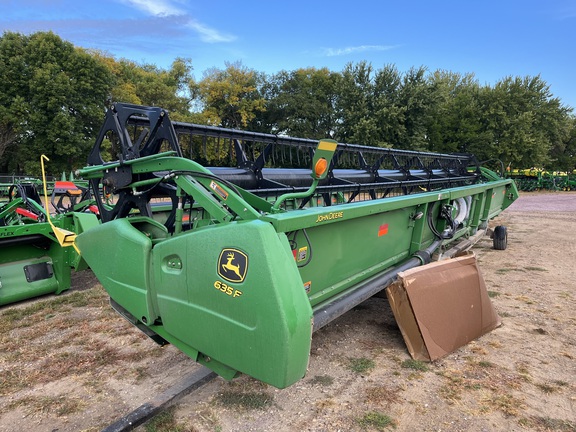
x=441 y=306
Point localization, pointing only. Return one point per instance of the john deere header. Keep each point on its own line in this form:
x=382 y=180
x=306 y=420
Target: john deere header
x=235 y=246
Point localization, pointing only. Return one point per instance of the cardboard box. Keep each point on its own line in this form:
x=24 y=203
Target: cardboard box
x=441 y=306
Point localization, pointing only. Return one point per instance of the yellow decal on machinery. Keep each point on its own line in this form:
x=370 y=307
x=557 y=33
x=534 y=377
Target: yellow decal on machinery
x=329 y=216
x=227 y=289
x=232 y=265
x=327 y=145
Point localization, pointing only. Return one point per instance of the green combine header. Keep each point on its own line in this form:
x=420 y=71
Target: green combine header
x=236 y=246
x=36 y=238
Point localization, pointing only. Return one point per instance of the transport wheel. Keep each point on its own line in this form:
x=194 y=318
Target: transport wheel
x=500 y=238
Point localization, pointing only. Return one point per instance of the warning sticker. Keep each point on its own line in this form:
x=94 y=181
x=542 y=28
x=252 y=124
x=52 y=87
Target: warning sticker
x=382 y=230
x=219 y=190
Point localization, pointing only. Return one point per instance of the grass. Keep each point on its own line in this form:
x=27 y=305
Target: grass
x=415 y=365
x=59 y=405
x=493 y=294
x=382 y=395
x=531 y=268
x=74 y=359
x=452 y=390
x=496 y=383
x=552 y=387
x=244 y=400
x=548 y=424
x=376 y=420
x=523 y=372
x=504 y=402
x=525 y=299
x=209 y=416
x=49 y=310
x=323 y=380
x=547 y=388
x=360 y=365
x=166 y=422
x=75 y=333
x=507 y=270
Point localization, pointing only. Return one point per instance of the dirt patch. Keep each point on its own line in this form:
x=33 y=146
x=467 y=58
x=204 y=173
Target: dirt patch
x=72 y=365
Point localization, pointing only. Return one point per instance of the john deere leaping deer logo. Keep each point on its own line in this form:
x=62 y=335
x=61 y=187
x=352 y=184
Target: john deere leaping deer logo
x=232 y=265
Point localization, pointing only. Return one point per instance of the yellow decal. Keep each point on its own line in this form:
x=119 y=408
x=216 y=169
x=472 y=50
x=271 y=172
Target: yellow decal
x=307 y=286
x=227 y=289
x=327 y=145
x=232 y=265
x=302 y=253
x=329 y=216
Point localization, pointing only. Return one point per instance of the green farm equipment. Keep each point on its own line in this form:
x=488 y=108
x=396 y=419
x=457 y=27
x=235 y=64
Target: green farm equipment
x=237 y=266
x=35 y=257
x=534 y=179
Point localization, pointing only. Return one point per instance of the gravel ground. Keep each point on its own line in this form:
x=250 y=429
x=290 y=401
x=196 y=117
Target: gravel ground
x=564 y=202
x=74 y=365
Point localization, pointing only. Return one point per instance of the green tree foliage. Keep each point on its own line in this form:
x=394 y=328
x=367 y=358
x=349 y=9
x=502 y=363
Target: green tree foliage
x=355 y=104
x=147 y=84
x=455 y=121
x=389 y=113
x=302 y=102
x=154 y=86
x=416 y=99
x=563 y=152
x=53 y=96
x=525 y=122
x=230 y=96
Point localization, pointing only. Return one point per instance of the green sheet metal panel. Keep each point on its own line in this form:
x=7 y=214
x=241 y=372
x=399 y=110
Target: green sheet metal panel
x=333 y=257
x=233 y=292
x=21 y=280
x=122 y=270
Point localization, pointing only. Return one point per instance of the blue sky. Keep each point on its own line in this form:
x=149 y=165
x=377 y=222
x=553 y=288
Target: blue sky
x=492 y=39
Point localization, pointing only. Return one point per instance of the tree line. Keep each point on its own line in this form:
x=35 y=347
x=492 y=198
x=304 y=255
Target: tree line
x=53 y=97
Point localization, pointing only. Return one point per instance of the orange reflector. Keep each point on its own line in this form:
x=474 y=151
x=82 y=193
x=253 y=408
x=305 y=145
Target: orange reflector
x=320 y=167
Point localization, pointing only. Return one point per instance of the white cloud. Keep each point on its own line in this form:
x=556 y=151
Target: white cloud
x=159 y=8
x=208 y=34
x=169 y=8
x=332 y=52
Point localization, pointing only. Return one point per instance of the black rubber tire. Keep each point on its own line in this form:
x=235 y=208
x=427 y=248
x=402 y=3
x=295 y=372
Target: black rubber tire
x=500 y=238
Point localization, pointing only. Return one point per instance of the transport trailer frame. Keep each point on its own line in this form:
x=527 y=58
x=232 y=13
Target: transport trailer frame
x=239 y=279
